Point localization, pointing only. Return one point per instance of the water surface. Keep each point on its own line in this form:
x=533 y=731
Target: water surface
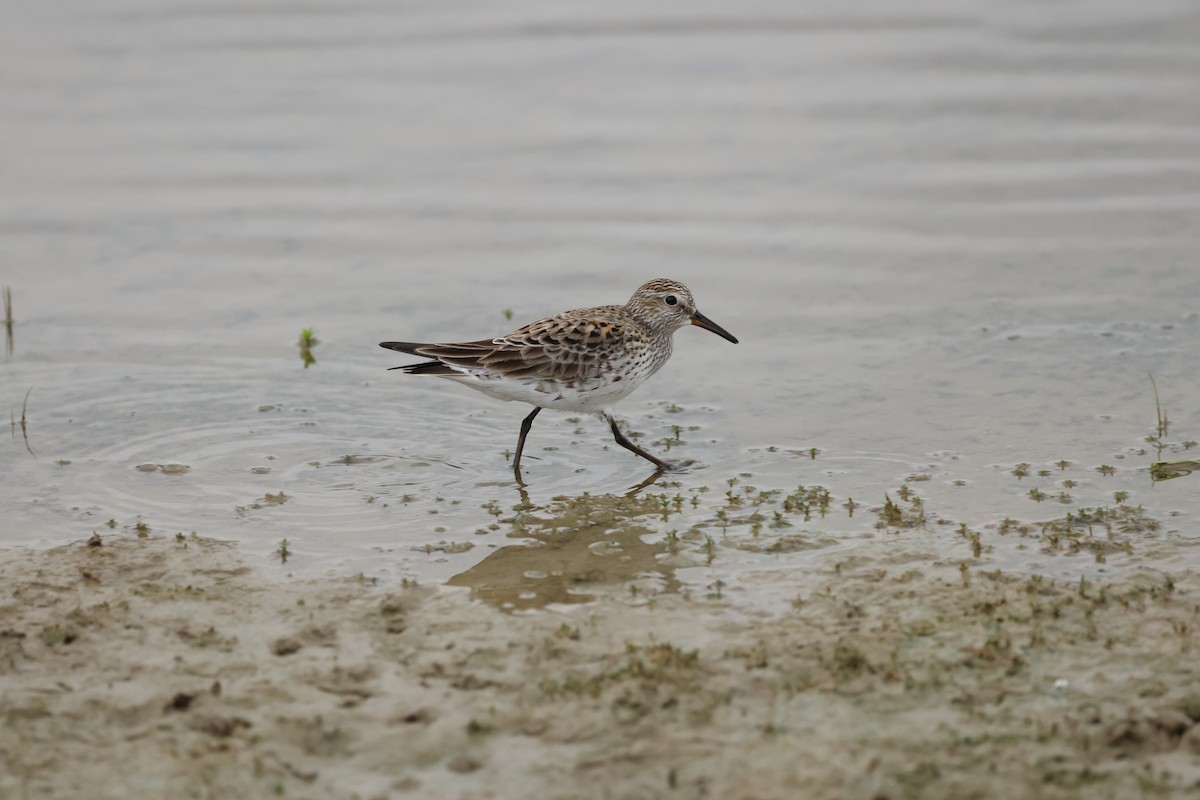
x=953 y=239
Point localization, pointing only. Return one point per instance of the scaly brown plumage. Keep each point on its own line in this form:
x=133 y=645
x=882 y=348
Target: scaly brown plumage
x=582 y=360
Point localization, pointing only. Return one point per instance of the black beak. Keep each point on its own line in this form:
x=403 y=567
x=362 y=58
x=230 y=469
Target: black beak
x=708 y=325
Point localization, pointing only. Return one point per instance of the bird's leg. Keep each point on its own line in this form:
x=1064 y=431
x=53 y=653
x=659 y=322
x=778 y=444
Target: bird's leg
x=526 y=424
x=628 y=445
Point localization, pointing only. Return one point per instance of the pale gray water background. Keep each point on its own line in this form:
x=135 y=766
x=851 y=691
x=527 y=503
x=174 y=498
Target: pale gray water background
x=951 y=236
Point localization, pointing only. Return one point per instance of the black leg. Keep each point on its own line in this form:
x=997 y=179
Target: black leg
x=628 y=445
x=526 y=424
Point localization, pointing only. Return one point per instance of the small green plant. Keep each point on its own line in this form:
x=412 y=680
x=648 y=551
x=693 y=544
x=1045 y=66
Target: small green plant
x=673 y=540
x=308 y=341
x=283 y=552
x=1160 y=414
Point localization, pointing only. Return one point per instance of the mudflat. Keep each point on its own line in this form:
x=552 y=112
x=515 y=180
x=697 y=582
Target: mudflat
x=153 y=666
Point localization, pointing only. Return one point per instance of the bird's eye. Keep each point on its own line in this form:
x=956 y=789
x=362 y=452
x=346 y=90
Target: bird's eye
x=671 y=299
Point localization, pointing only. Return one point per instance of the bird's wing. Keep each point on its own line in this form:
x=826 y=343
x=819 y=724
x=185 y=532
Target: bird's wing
x=574 y=345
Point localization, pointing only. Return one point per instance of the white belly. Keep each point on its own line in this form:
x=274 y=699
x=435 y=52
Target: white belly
x=582 y=396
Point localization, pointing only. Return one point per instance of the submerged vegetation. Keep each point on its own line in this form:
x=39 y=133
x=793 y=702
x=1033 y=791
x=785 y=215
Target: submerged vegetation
x=665 y=523
x=8 y=321
x=1161 y=470
x=23 y=424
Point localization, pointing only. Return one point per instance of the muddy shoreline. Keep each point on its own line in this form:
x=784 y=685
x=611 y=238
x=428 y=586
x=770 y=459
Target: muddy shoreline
x=168 y=666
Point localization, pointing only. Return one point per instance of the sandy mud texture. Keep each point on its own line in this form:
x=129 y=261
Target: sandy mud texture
x=166 y=667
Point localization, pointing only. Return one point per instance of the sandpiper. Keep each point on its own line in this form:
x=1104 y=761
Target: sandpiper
x=581 y=361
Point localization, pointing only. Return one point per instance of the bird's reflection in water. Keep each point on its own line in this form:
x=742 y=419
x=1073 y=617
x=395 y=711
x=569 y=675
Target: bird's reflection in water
x=573 y=549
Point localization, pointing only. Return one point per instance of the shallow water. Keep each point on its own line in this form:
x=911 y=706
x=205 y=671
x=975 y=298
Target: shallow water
x=951 y=238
